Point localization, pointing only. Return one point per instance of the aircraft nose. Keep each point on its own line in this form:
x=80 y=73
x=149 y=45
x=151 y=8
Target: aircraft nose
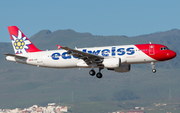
x=172 y=54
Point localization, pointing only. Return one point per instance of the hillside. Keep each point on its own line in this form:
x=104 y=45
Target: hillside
x=24 y=85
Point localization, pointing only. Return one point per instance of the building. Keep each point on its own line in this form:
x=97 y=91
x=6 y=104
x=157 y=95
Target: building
x=135 y=111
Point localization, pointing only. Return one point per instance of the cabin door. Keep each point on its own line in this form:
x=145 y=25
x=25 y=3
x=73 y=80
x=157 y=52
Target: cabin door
x=151 y=50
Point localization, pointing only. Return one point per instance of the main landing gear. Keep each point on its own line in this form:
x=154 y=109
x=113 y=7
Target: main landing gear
x=153 y=69
x=98 y=75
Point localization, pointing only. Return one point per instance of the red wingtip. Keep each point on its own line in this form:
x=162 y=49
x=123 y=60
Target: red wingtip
x=58 y=46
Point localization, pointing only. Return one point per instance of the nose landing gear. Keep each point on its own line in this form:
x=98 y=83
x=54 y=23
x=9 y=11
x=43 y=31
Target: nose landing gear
x=153 y=69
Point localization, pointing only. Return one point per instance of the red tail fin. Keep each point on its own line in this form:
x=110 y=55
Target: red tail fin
x=20 y=42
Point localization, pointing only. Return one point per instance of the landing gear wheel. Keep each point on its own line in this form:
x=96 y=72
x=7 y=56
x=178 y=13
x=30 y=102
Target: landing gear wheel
x=99 y=75
x=152 y=65
x=92 y=72
x=154 y=70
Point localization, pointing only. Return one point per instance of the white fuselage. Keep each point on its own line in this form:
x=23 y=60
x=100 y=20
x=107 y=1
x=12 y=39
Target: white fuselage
x=129 y=54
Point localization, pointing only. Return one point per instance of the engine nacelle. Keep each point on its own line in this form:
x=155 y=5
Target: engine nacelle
x=123 y=68
x=112 y=62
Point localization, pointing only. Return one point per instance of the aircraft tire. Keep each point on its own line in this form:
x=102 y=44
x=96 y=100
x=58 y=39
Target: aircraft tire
x=154 y=70
x=92 y=72
x=99 y=75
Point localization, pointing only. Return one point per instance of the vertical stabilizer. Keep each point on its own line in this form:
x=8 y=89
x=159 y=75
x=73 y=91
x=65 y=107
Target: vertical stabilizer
x=20 y=42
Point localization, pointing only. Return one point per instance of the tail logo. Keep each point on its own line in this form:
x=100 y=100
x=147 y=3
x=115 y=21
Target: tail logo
x=20 y=43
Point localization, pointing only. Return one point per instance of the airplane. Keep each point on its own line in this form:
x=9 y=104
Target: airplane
x=115 y=58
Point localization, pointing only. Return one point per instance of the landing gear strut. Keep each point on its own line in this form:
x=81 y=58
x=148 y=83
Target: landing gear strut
x=153 y=69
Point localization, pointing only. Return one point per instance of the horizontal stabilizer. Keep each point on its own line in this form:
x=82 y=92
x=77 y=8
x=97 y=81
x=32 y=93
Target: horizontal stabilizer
x=14 y=55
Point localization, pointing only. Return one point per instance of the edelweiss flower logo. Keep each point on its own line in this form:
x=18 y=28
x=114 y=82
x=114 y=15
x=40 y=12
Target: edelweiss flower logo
x=20 y=43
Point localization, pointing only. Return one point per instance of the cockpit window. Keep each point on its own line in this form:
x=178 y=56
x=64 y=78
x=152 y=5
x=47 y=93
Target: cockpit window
x=163 y=48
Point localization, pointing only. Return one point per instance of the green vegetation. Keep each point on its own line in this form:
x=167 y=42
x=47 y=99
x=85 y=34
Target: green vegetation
x=124 y=95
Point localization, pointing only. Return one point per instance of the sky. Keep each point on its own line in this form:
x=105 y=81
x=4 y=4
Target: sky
x=98 y=17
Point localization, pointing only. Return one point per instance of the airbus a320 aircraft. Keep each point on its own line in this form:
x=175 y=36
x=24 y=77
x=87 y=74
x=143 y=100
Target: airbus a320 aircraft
x=116 y=58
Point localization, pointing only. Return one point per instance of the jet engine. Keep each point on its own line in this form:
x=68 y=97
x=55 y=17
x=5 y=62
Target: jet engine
x=112 y=62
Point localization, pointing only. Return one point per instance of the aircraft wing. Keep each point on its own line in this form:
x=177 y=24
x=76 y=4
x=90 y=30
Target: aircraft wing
x=87 y=57
x=14 y=55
